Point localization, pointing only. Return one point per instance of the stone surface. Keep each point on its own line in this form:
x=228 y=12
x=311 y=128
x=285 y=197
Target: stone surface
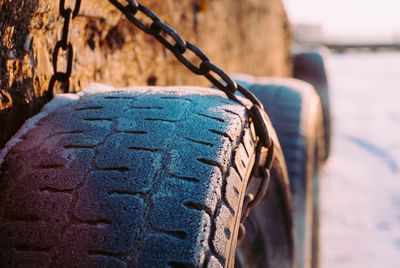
x=250 y=36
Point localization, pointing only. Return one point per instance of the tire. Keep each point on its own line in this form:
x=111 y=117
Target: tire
x=312 y=68
x=296 y=114
x=146 y=178
x=269 y=230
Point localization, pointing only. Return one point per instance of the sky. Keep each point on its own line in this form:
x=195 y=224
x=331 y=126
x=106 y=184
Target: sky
x=349 y=18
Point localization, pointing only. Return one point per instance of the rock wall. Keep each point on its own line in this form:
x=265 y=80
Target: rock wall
x=250 y=36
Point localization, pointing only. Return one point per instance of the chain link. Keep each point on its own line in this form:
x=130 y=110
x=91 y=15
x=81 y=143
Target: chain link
x=190 y=64
x=150 y=23
x=65 y=46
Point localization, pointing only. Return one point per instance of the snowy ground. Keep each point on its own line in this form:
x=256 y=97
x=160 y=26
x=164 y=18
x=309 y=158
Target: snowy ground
x=360 y=186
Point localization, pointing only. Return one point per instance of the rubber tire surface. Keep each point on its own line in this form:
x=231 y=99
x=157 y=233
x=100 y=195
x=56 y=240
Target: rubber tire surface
x=312 y=68
x=269 y=229
x=150 y=178
x=296 y=114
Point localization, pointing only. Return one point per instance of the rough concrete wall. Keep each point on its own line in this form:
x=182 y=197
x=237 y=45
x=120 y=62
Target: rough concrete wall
x=249 y=36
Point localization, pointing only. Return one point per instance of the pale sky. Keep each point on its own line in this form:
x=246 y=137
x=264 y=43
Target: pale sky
x=349 y=18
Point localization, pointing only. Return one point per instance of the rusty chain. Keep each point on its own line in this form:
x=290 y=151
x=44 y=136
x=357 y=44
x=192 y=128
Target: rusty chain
x=65 y=45
x=152 y=25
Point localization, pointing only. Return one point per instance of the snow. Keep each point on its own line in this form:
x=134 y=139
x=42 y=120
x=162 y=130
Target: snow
x=95 y=88
x=360 y=186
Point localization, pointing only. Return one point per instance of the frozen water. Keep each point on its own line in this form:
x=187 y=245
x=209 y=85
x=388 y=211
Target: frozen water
x=94 y=88
x=360 y=186
x=58 y=101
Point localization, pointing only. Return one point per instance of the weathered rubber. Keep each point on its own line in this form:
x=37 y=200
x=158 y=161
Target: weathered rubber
x=269 y=229
x=312 y=67
x=127 y=179
x=296 y=114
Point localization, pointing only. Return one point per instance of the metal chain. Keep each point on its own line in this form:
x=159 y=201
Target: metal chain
x=151 y=24
x=65 y=45
x=180 y=47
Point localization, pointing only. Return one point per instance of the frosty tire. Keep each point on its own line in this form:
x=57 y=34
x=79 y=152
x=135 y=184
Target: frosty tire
x=148 y=178
x=295 y=112
x=269 y=231
x=312 y=68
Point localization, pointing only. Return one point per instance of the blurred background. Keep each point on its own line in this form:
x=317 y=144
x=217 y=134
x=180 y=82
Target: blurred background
x=344 y=21
x=360 y=185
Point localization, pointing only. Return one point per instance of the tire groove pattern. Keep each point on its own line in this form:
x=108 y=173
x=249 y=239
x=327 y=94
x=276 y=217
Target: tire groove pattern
x=94 y=186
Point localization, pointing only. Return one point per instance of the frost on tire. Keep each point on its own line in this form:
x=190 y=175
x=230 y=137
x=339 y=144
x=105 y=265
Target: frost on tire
x=296 y=113
x=145 y=178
